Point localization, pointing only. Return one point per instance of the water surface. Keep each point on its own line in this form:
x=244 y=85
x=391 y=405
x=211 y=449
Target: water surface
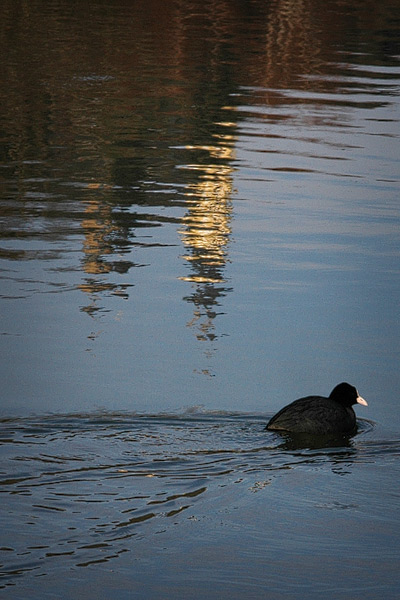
x=195 y=505
x=200 y=223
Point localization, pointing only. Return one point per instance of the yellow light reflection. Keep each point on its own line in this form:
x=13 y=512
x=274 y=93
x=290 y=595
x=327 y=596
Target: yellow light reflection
x=206 y=231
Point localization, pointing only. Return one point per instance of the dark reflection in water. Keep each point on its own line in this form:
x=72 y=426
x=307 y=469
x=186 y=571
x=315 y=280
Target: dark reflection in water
x=139 y=132
x=93 y=146
x=292 y=441
x=299 y=441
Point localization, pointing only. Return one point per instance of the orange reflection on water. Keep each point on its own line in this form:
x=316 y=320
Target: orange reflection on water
x=206 y=233
x=207 y=225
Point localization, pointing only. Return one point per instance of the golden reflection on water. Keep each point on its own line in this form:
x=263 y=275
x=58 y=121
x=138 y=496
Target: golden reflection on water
x=149 y=82
x=205 y=232
x=207 y=226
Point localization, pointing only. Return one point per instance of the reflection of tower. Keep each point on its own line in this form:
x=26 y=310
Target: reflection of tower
x=100 y=229
x=206 y=234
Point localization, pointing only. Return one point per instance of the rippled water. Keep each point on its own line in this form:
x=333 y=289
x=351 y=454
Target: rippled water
x=198 y=505
x=199 y=223
x=200 y=205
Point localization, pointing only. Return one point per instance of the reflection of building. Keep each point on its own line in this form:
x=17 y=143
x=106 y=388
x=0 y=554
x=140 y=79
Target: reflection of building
x=206 y=234
x=115 y=101
x=99 y=229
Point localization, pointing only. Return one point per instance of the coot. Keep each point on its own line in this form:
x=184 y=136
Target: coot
x=319 y=415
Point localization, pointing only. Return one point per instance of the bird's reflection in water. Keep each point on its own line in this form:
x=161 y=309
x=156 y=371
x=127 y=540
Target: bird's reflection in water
x=306 y=441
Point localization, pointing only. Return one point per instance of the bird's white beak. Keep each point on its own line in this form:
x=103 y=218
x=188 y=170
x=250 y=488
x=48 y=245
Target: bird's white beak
x=362 y=401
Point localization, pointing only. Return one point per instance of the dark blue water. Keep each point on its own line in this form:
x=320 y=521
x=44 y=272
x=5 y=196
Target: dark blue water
x=200 y=223
x=195 y=505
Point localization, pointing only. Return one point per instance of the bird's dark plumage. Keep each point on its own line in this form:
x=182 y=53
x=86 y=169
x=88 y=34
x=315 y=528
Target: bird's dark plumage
x=319 y=415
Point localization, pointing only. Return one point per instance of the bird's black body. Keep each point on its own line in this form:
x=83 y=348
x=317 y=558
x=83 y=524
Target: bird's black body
x=319 y=415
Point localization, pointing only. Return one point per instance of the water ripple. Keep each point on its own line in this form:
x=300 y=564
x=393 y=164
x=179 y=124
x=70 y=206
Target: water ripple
x=87 y=485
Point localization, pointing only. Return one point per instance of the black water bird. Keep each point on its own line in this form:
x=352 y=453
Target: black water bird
x=318 y=415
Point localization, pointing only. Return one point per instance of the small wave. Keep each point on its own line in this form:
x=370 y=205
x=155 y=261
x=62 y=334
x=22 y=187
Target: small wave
x=118 y=477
